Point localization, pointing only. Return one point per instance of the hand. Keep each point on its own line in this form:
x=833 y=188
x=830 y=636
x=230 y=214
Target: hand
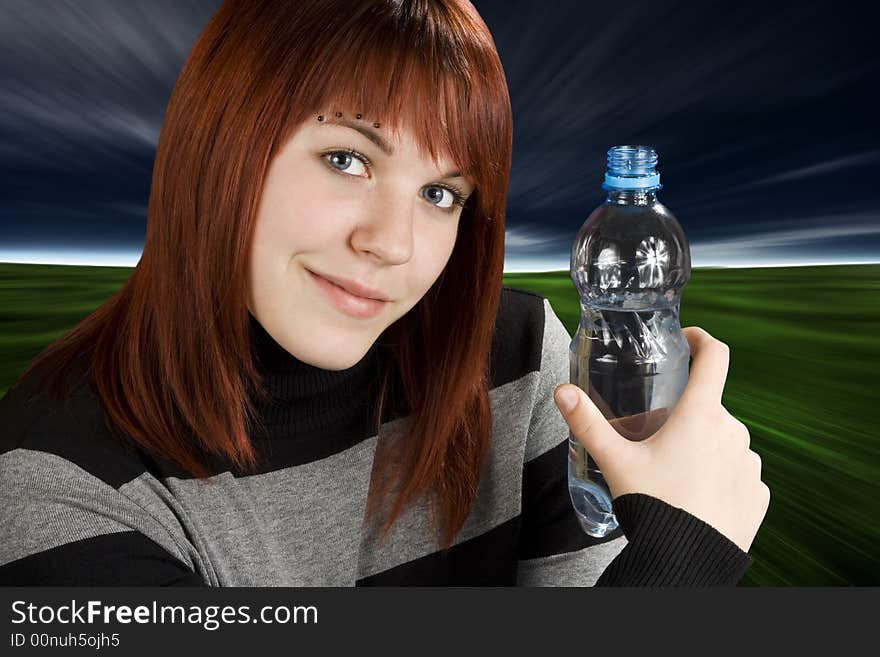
x=699 y=459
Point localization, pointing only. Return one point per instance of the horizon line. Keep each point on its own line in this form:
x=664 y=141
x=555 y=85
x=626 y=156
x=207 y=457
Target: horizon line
x=506 y=271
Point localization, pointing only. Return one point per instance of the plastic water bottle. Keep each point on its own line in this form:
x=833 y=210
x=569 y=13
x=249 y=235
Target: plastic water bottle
x=629 y=263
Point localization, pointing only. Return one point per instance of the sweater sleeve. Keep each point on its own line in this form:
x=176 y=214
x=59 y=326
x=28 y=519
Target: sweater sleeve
x=656 y=544
x=65 y=527
x=670 y=547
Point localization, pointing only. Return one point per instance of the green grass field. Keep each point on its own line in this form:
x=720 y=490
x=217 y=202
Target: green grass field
x=804 y=351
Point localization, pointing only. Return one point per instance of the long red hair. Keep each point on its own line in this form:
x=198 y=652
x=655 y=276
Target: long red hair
x=169 y=354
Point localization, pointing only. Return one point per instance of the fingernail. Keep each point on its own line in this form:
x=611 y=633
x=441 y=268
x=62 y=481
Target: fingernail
x=566 y=399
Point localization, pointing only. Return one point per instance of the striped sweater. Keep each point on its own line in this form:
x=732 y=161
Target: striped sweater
x=81 y=508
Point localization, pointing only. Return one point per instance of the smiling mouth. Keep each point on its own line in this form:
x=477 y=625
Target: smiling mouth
x=346 y=302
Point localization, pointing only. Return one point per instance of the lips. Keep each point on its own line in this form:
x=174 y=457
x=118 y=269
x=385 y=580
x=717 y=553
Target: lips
x=346 y=302
x=353 y=287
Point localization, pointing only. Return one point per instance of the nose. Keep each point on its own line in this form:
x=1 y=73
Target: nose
x=386 y=230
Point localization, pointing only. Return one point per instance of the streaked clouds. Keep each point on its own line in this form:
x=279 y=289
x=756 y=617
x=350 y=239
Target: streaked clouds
x=85 y=78
x=531 y=238
x=761 y=115
x=806 y=241
x=819 y=168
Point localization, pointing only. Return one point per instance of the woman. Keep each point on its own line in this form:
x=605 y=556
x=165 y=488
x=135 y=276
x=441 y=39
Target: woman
x=314 y=376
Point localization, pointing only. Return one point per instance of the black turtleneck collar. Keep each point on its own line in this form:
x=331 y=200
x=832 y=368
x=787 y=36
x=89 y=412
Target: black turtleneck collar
x=307 y=398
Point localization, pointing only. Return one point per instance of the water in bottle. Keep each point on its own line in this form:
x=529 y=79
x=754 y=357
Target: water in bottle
x=629 y=263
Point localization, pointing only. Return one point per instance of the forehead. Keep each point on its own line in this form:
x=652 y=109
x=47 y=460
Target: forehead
x=390 y=139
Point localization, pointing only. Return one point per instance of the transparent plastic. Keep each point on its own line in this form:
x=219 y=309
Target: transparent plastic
x=629 y=262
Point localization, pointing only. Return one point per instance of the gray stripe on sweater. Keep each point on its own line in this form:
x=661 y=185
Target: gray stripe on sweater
x=49 y=501
x=580 y=568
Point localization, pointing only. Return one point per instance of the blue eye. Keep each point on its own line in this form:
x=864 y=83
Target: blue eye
x=439 y=196
x=342 y=161
x=436 y=193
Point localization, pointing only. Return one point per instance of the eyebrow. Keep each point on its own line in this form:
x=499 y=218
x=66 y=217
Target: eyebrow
x=377 y=139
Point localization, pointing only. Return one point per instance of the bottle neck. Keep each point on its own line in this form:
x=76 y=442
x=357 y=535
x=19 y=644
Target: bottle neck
x=631 y=196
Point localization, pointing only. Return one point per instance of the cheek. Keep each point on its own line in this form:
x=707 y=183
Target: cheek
x=297 y=217
x=435 y=248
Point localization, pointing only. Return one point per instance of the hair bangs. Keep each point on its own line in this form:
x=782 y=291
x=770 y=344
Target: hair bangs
x=448 y=90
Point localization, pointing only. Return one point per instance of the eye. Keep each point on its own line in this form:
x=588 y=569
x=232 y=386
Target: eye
x=443 y=196
x=347 y=161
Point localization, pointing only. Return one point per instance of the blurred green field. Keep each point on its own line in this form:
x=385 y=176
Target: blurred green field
x=804 y=351
x=803 y=378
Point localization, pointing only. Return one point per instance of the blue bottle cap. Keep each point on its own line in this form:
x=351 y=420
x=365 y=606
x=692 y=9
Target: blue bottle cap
x=632 y=167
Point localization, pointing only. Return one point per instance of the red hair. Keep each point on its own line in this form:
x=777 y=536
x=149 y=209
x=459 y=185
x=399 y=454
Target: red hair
x=169 y=354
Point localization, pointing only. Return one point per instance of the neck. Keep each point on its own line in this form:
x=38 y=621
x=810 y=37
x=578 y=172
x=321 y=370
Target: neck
x=306 y=397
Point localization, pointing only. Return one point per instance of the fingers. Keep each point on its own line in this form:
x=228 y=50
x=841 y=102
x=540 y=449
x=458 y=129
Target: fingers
x=708 y=371
x=589 y=426
x=765 y=498
x=740 y=440
x=738 y=431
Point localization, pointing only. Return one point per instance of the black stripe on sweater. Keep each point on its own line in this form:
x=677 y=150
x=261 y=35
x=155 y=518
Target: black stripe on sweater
x=485 y=560
x=549 y=523
x=117 y=559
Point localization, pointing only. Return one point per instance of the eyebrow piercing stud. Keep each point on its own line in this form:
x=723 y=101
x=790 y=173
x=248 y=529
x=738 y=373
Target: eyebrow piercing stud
x=358 y=116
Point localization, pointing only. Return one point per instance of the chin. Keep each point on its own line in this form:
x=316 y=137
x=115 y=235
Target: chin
x=338 y=361
x=336 y=351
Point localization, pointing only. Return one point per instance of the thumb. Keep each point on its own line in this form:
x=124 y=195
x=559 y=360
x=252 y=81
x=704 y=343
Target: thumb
x=590 y=428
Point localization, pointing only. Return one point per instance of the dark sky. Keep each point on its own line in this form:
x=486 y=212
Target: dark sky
x=763 y=115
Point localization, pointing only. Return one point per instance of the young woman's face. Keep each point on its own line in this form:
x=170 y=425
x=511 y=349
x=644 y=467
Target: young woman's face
x=336 y=205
